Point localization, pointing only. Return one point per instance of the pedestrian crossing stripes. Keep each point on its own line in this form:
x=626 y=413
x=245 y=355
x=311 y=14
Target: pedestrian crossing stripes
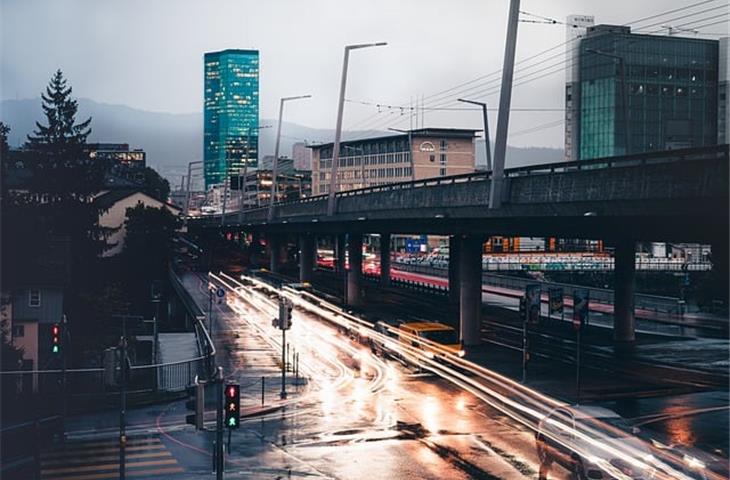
x=98 y=460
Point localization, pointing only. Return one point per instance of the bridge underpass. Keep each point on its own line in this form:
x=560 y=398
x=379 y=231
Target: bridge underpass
x=664 y=196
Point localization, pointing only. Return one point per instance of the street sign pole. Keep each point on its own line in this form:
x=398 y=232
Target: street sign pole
x=577 y=366
x=283 y=363
x=524 y=349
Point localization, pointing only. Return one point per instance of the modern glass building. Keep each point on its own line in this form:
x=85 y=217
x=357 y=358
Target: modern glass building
x=671 y=89
x=231 y=113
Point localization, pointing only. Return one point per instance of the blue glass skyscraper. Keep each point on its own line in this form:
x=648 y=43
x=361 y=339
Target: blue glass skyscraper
x=231 y=113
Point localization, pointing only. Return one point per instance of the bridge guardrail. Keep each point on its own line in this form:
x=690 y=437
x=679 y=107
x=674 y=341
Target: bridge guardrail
x=648 y=158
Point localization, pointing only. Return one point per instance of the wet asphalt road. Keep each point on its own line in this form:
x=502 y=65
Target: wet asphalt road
x=358 y=416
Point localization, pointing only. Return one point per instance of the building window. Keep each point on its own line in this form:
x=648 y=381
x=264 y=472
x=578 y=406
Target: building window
x=34 y=298
x=18 y=331
x=432 y=158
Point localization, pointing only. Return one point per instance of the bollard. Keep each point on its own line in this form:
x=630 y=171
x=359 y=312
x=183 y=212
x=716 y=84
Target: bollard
x=263 y=386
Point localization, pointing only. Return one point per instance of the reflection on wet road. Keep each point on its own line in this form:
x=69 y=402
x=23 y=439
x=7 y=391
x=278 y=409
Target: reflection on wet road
x=365 y=416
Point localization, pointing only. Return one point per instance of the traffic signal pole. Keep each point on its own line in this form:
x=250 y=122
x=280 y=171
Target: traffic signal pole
x=219 y=427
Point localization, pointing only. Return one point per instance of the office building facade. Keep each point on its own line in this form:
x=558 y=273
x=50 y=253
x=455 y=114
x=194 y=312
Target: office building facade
x=424 y=153
x=302 y=156
x=576 y=27
x=671 y=89
x=231 y=113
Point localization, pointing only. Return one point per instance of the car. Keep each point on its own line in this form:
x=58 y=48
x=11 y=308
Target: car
x=443 y=338
x=559 y=441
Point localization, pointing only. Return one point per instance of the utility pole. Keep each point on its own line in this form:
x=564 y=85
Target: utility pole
x=505 y=101
x=486 y=129
x=338 y=128
x=64 y=346
x=123 y=403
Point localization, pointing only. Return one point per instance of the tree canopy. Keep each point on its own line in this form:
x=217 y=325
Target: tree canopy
x=62 y=134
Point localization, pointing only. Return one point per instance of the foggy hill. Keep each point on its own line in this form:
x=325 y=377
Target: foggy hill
x=172 y=140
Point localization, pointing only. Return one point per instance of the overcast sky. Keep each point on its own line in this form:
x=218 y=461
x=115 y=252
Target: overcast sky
x=149 y=54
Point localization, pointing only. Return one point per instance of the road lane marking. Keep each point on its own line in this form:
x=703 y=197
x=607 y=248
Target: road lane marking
x=138 y=473
x=108 y=466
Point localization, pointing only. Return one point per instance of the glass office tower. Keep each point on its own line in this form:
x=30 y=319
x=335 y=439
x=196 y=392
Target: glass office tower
x=671 y=87
x=231 y=113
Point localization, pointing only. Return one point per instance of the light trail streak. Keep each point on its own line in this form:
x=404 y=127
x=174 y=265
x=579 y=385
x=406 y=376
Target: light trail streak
x=523 y=404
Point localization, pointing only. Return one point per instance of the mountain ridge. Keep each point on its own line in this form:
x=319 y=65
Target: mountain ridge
x=171 y=140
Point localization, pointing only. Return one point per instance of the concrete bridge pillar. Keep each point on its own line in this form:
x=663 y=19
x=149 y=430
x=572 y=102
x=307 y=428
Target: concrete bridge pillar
x=275 y=244
x=624 y=323
x=306 y=257
x=470 y=289
x=339 y=253
x=385 y=259
x=354 y=274
x=454 y=244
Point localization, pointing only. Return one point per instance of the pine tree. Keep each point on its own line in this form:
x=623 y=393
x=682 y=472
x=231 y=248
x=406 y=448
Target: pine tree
x=62 y=135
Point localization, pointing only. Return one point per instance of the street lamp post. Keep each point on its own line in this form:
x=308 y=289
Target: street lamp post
x=338 y=129
x=624 y=93
x=410 y=148
x=276 y=153
x=486 y=129
x=505 y=100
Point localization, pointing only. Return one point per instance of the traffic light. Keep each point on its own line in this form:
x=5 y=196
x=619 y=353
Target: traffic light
x=196 y=403
x=233 y=405
x=285 y=309
x=56 y=336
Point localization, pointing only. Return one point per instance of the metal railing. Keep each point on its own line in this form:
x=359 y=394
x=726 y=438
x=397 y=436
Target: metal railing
x=567 y=265
x=171 y=377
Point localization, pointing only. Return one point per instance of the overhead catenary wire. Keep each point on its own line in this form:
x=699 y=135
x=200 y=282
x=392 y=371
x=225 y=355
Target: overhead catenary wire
x=440 y=100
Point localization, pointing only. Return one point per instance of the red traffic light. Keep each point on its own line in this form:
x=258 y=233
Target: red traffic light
x=55 y=329
x=232 y=391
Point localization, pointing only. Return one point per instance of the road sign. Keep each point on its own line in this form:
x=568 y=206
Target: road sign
x=556 y=300
x=220 y=292
x=580 y=307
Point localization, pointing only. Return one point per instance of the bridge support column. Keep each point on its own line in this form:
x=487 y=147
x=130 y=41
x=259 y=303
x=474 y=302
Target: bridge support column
x=454 y=244
x=274 y=245
x=624 y=323
x=339 y=252
x=470 y=289
x=354 y=274
x=385 y=259
x=306 y=257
